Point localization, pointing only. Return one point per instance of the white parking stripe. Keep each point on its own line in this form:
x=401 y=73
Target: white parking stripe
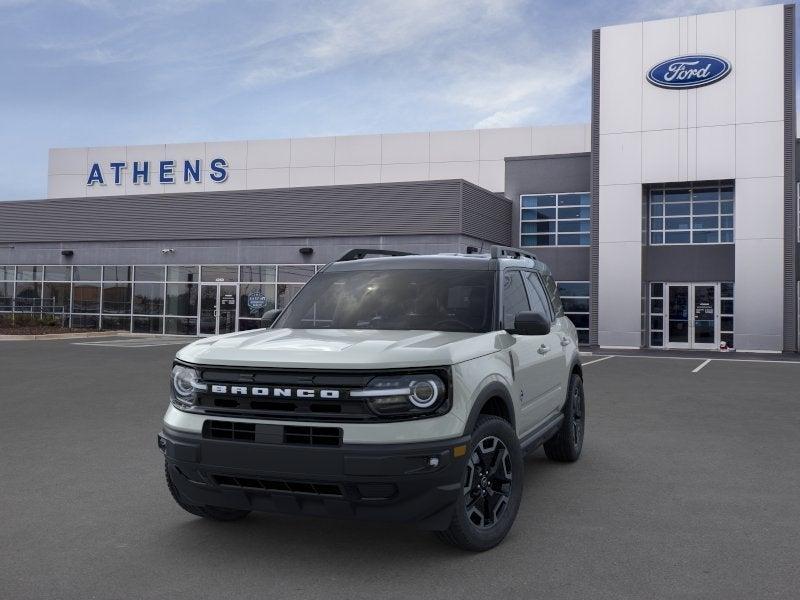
x=591 y=362
x=666 y=357
x=701 y=365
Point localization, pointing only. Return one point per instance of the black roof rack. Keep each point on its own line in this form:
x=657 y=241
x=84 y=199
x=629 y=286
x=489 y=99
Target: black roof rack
x=509 y=252
x=359 y=253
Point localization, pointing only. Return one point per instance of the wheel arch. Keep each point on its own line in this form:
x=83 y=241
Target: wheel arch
x=494 y=399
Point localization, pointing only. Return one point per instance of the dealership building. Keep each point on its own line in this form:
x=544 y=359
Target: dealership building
x=669 y=221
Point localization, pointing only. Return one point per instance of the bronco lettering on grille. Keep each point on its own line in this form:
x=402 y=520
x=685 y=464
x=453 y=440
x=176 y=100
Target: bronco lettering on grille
x=275 y=392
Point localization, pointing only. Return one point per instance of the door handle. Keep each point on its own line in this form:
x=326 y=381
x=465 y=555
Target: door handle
x=543 y=349
x=565 y=341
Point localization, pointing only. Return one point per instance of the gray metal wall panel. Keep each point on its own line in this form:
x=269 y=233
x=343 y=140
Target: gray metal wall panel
x=714 y=262
x=567 y=264
x=487 y=216
x=546 y=175
x=428 y=207
x=594 y=254
x=790 y=332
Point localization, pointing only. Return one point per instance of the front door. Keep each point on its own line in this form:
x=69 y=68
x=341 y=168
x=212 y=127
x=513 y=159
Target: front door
x=693 y=315
x=217 y=309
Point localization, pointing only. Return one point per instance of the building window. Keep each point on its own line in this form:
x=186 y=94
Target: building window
x=726 y=313
x=701 y=215
x=575 y=299
x=147 y=298
x=554 y=220
x=656 y=314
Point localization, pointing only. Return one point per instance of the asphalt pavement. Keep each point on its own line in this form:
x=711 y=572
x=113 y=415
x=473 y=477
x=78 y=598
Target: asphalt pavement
x=689 y=487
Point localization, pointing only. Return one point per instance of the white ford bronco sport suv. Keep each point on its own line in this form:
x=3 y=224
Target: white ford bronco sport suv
x=402 y=388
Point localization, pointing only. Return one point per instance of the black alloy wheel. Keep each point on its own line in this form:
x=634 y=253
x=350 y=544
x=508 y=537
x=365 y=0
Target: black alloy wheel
x=487 y=482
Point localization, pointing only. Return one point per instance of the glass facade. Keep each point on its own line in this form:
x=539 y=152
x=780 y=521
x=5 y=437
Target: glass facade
x=701 y=215
x=670 y=308
x=554 y=219
x=151 y=298
x=575 y=298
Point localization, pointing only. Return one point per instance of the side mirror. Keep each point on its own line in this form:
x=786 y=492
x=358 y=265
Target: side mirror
x=531 y=323
x=269 y=317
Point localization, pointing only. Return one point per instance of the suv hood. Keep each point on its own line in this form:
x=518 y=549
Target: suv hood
x=339 y=348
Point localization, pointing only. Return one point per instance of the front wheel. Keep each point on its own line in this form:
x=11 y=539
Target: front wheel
x=491 y=488
x=566 y=444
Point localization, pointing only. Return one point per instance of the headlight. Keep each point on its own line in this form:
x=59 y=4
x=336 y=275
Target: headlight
x=185 y=385
x=405 y=395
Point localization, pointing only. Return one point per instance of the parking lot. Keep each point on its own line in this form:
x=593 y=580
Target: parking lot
x=688 y=487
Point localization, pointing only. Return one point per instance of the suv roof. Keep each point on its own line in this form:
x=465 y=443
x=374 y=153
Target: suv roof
x=356 y=260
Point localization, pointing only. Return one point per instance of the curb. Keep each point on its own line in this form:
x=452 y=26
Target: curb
x=61 y=336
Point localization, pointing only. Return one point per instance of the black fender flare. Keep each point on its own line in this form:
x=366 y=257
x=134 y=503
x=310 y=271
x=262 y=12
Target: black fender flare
x=494 y=389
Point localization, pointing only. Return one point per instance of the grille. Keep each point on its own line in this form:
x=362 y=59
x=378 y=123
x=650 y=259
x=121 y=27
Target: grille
x=264 y=433
x=342 y=408
x=230 y=430
x=312 y=436
x=277 y=485
x=230 y=392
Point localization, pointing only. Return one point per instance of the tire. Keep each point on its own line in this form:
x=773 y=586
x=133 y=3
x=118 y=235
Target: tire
x=215 y=513
x=486 y=511
x=566 y=444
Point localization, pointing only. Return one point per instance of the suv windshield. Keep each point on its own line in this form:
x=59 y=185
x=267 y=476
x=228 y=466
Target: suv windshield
x=438 y=300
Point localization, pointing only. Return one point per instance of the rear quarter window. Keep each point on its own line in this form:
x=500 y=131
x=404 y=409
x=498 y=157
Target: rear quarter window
x=552 y=292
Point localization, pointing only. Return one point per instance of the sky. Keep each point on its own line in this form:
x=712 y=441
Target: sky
x=106 y=73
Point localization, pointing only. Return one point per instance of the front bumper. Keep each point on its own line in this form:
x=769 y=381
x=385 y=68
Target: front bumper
x=406 y=483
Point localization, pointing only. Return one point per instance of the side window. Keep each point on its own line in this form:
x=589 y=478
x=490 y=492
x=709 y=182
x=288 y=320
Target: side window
x=552 y=291
x=537 y=295
x=515 y=299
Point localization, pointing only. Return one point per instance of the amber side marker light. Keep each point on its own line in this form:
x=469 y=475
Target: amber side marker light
x=459 y=451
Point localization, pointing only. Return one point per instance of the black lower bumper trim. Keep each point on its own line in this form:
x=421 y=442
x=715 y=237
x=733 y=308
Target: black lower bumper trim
x=408 y=483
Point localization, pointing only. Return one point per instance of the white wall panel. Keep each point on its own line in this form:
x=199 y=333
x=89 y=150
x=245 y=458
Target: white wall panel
x=716 y=104
x=758 y=310
x=497 y=144
x=405 y=172
x=454 y=146
x=313 y=152
x=759 y=209
x=405 y=148
x=619 y=293
x=67 y=161
x=620 y=158
x=455 y=170
x=621 y=78
x=716 y=152
x=621 y=213
x=660 y=108
x=234 y=153
x=492 y=175
x=309 y=176
x=347 y=174
x=236 y=180
x=759 y=149
x=66 y=186
x=759 y=64
x=561 y=139
x=662 y=156
x=259 y=179
x=358 y=150
x=269 y=154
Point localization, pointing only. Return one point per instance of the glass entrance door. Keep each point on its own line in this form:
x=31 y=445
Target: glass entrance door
x=678 y=316
x=704 y=330
x=217 y=309
x=693 y=315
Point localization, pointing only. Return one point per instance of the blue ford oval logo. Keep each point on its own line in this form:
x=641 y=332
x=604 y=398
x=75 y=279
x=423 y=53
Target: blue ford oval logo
x=692 y=71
